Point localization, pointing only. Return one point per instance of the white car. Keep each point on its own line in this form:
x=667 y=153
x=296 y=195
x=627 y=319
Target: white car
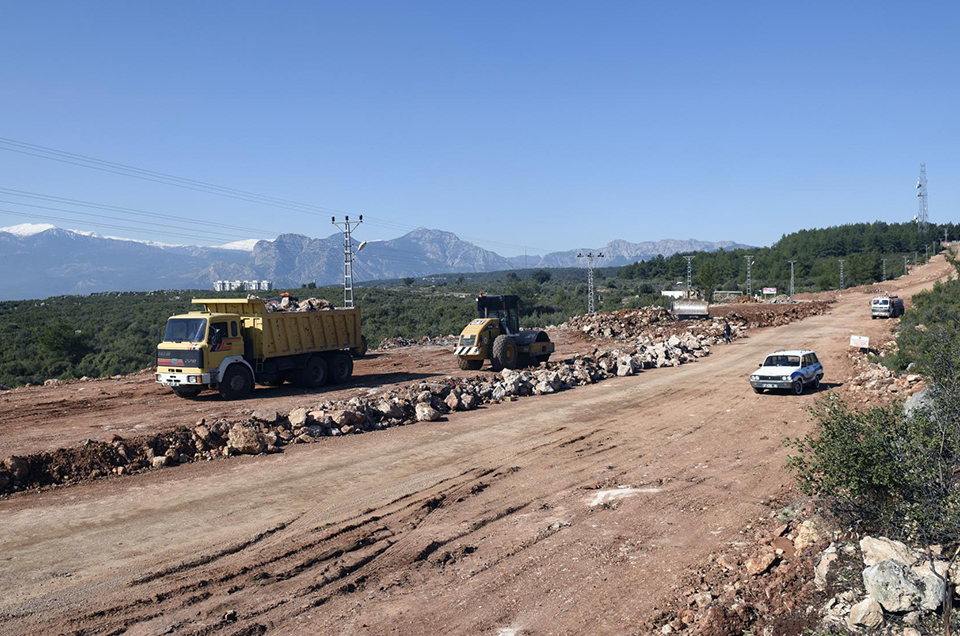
x=791 y=370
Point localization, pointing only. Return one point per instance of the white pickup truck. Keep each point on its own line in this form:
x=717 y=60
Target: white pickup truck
x=791 y=370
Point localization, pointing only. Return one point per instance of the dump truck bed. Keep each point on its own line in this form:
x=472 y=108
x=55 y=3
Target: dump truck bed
x=290 y=333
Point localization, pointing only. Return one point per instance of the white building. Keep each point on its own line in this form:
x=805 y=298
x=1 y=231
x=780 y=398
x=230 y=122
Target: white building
x=242 y=285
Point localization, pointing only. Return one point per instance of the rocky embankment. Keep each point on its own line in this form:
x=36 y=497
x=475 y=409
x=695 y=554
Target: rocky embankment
x=787 y=576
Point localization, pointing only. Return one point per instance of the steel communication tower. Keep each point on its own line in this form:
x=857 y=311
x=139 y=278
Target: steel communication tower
x=841 y=273
x=590 y=256
x=346 y=227
x=922 y=216
x=792 y=263
x=689 y=273
x=883 y=275
x=749 y=258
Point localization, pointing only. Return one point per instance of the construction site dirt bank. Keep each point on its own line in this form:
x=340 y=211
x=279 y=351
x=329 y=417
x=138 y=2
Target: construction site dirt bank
x=567 y=513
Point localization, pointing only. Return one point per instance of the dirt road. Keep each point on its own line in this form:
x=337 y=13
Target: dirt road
x=563 y=514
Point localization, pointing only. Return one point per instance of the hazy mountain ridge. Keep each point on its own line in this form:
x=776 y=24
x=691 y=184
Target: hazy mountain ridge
x=52 y=261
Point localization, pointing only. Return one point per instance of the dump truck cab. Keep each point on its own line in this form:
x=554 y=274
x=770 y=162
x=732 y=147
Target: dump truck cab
x=495 y=335
x=197 y=348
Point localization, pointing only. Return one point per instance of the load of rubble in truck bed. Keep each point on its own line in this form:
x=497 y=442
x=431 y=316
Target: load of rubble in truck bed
x=289 y=303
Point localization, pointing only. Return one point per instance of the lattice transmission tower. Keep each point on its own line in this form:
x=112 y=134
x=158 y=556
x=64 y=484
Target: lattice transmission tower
x=590 y=256
x=923 y=217
x=346 y=227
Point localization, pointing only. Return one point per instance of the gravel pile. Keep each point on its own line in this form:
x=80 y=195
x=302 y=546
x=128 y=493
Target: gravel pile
x=647 y=324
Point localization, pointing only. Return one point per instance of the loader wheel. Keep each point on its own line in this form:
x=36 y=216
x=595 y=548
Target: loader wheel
x=504 y=353
x=340 y=366
x=314 y=375
x=360 y=350
x=469 y=365
x=236 y=382
x=187 y=392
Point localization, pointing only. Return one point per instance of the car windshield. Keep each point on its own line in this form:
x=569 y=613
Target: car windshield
x=780 y=360
x=185 y=330
x=883 y=301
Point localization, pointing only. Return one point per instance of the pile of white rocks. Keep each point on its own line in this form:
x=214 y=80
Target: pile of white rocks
x=896 y=582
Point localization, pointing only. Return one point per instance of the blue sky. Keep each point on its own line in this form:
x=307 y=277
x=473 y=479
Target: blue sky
x=548 y=124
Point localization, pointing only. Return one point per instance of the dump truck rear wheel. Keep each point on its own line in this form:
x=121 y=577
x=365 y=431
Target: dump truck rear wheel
x=360 y=350
x=340 y=367
x=314 y=375
x=187 y=391
x=469 y=365
x=236 y=382
x=504 y=353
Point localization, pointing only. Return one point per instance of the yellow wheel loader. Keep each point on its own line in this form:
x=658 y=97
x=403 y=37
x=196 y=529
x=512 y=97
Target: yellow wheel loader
x=495 y=335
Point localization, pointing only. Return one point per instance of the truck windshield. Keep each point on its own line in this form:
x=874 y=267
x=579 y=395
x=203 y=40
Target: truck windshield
x=782 y=361
x=185 y=330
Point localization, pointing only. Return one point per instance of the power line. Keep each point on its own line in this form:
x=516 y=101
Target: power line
x=102 y=206
x=96 y=223
x=221 y=235
x=86 y=161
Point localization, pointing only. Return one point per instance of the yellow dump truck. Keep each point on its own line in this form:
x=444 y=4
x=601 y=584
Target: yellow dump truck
x=233 y=343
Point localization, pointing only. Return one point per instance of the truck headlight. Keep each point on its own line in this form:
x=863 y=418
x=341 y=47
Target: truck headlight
x=191 y=378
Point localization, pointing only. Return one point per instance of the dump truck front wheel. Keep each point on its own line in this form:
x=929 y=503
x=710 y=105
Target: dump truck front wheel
x=469 y=365
x=341 y=368
x=504 y=353
x=236 y=382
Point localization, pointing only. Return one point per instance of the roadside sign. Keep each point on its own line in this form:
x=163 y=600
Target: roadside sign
x=863 y=342
x=769 y=291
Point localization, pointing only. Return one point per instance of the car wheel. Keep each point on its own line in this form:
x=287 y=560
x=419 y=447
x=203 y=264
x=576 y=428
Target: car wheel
x=816 y=383
x=798 y=387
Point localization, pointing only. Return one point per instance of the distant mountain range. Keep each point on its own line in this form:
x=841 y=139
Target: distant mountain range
x=39 y=260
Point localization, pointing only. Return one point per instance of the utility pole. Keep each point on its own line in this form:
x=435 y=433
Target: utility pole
x=689 y=273
x=841 y=274
x=346 y=227
x=922 y=214
x=883 y=276
x=916 y=257
x=749 y=258
x=590 y=256
x=792 y=263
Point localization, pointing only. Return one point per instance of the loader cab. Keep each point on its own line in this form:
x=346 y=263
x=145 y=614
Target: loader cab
x=504 y=308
